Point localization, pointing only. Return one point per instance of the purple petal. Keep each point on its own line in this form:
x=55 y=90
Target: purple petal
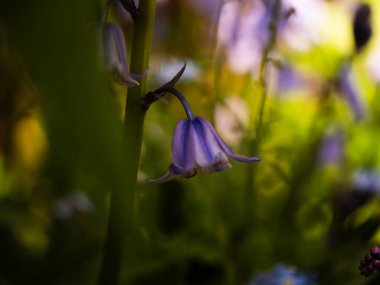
x=242 y=158
x=183 y=147
x=127 y=78
x=130 y=78
x=114 y=47
x=352 y=94
x=139 y=75
x=166 y=177
x=220 y=162
x=115 y=55
x=175 y=170
x=210 y=157
x=226 y=149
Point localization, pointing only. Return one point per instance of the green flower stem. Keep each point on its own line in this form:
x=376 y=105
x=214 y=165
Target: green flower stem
x=122 y=224
x=272 y=31
x=262 y=91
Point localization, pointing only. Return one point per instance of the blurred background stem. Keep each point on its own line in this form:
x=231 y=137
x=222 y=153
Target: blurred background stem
x=272 y=34
x=262 y=93
x=122 y=224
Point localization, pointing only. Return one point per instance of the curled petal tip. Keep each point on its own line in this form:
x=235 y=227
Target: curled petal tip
x=166 y=177
x=242 y=158
x=126 y=78
x=139 y=75
x=130 y=78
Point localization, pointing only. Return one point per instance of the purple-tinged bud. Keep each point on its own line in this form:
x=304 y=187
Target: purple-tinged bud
x=376 y=264
x=368 y=258
x=375 y=252
x=370 y=262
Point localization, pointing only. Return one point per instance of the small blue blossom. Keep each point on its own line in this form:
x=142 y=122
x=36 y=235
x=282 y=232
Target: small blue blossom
x=331 y=151
x=196 y=147
x=283 y=275
x=367 y=181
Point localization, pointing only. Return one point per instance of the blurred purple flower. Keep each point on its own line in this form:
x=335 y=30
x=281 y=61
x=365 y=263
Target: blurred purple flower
x=284 y=275
x=288 y=79
x=243 y=31
x=303 y=30
x=196 y=147
x=370 y=262
x=367 y=181
x=353 y=96
x=331 y=151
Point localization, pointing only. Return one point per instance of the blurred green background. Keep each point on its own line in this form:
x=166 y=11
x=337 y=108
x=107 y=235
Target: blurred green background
x=312 y=203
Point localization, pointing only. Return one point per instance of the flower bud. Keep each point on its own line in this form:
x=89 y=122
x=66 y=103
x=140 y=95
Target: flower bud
x=115 y=55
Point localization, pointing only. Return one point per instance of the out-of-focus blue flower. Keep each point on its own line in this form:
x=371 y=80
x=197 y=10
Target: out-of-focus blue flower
x=283 y=275
x=304 y=29
x=353 y=96
x=196 y=147
x=65 y=207
x=288 y=80
x=243 y=31
x=367 y=181
x=332 y=150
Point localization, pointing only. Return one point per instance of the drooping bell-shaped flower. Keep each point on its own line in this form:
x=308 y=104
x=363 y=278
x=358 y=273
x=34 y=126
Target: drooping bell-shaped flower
x=196 y=147
x=115 y=55
x=114 y=51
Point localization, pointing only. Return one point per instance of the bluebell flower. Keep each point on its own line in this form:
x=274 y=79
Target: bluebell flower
x=115 y=52
x=283 y=275
x=331 y=151
x=196 y=147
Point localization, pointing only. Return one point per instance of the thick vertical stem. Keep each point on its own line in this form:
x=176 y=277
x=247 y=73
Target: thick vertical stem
x=122 y=225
